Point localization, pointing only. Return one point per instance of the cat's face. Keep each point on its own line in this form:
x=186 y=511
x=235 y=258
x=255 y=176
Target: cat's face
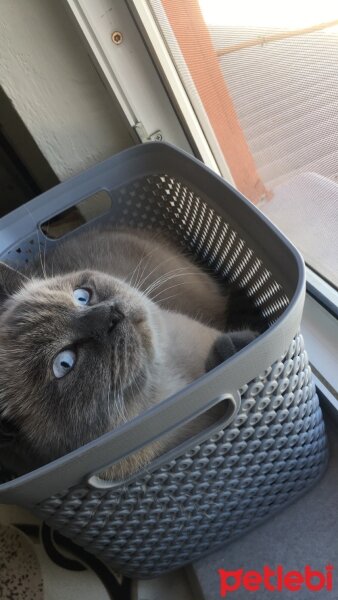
x=75 y=351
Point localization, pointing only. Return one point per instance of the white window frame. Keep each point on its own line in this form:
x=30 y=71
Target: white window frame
x=127 y=67
x=320 y=330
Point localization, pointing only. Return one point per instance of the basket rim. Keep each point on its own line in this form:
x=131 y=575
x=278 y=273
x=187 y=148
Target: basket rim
x=77 y=466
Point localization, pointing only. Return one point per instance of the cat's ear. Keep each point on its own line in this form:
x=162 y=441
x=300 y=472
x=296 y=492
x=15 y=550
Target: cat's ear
x=11 y=281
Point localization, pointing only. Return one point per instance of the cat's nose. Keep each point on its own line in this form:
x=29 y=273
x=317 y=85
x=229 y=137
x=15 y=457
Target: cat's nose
x=98 y=321
x=116 y=316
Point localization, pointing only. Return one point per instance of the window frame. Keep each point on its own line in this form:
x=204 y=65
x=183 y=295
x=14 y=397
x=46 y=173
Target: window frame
x=94 y=19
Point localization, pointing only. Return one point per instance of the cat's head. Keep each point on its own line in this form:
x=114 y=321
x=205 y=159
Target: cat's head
x=75 y=351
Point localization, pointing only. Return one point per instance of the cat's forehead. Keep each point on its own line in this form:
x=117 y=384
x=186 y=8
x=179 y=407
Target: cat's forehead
x=60 y=286
x=41 y=299
x=40 y=291
x=38 y=313
x=45 y=302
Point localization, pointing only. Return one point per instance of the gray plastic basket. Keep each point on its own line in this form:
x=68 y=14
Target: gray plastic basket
x=271 y=445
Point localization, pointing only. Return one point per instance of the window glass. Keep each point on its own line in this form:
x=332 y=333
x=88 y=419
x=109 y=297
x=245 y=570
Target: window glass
x=263 y=78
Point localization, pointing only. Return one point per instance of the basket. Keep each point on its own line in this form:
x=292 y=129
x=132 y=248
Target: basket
x=268 y=450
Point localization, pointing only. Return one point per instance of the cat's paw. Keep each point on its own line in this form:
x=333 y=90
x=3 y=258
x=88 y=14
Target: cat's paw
x=227 y=345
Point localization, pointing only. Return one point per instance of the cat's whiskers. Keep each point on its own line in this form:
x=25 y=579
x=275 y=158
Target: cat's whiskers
x=146 y=255
x=135 y=382
x=8 y=292
x=43 y=266
x=119 y=403
x=44 y=255
x=108 y=399
x=166 y=289
x=167 y=298
x=118 y=407
x=139 y=279
x=167 y=277
x=125 y=353
x=166 y=274
x=136 y=269
x=155 y=269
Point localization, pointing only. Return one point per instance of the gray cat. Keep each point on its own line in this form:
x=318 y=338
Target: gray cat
x=102 y=328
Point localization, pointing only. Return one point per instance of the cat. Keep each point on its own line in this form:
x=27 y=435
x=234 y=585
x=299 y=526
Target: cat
x=104 y=326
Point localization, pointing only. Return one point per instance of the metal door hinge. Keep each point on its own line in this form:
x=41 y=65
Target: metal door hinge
x=157 y=136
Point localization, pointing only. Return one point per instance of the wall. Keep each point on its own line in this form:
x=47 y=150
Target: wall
x=49 y=77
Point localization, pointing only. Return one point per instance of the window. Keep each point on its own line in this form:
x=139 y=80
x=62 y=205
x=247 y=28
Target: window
x=263 y=82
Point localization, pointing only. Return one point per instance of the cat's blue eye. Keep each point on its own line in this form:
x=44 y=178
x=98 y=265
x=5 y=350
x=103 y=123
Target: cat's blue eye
x=63 y=363
x=81 y=296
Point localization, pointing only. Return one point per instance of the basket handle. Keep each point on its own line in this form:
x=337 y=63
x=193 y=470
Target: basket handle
x=232 y=406
x=79 y=465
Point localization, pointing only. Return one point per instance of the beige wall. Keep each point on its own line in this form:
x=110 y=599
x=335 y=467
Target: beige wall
x=47 y=74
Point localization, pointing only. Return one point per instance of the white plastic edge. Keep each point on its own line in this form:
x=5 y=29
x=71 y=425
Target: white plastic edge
x=217 y=163
x=320 y=331
x=126 y=68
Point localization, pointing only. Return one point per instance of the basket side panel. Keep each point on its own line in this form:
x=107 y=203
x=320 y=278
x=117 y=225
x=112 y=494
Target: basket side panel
x=273 y=452
x=163 y=202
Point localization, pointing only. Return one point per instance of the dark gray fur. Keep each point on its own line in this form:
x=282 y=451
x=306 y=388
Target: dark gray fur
x=154 y=324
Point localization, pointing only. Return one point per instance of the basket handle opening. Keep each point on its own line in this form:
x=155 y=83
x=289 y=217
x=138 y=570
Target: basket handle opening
x=189 y=434
x=94 y=206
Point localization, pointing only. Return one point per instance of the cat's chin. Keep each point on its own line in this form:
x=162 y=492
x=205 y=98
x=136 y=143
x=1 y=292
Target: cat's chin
x=132 y=350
